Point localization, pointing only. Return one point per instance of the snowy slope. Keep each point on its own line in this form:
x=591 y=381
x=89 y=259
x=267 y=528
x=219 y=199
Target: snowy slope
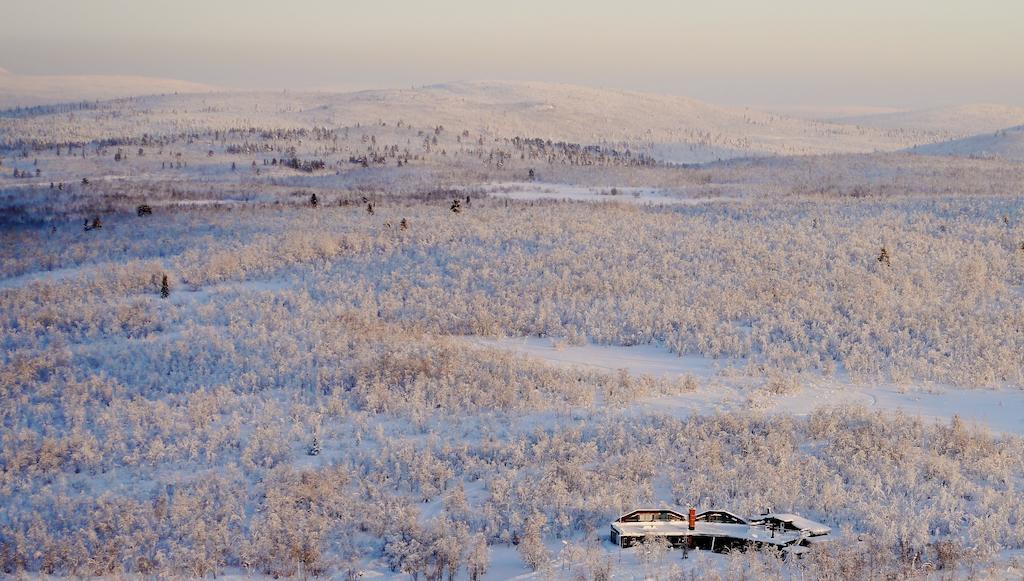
x=834 y=113
x=958 y=121
x=1005 y=144
x=677 y=128
x=671 y=128
x=29 y=90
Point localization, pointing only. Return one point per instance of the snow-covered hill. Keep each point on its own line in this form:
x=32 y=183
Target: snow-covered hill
x=586 y=114
x=675 y=128
x=671 y=128
x=958 y=121
x=1005 y=144
x=29 y=90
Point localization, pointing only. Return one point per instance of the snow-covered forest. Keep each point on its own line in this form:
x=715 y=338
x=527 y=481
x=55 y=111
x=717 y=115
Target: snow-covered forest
x=266 y=334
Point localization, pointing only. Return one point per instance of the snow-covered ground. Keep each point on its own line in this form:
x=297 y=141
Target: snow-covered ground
x=1000 y=410
x=322 y=370
x=1007 y=144
x=43 y=276
x=577 y=193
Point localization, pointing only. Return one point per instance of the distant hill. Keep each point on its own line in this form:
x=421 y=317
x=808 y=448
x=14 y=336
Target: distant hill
x=670 y=128
x=1005 y=144
x=958 y=121
x=834 y=114
x=675 y=128
x=29 y=90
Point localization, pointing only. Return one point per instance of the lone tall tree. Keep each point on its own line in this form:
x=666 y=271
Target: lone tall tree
x=165 y=287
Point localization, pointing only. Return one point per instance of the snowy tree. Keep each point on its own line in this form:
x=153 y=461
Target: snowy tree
x=531 y=544
x=478 y=559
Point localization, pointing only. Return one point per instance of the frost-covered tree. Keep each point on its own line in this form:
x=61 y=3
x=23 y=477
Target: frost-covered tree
x=531 y=544
x=478 y=559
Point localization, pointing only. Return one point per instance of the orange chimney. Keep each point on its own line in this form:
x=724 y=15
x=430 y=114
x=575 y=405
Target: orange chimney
x=693 y=518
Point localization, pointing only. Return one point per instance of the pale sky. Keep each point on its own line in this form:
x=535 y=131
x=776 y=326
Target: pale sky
x=754 y=52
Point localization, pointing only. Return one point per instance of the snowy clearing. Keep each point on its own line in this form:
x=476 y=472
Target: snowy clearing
x=574 y=193
x=1000 y=410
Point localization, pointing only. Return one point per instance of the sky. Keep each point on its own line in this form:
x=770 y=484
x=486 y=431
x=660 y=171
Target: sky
x=899 y=53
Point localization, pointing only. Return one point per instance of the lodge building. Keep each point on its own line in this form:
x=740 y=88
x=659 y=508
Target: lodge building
x=719 y=530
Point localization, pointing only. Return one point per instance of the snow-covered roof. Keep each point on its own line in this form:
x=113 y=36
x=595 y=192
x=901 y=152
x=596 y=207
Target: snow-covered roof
x=652 y=509
x=798 y=522
x=704 y=515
